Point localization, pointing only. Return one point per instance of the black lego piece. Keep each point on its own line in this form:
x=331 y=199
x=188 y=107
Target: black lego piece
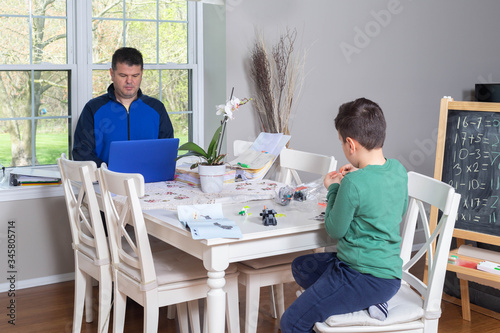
x=268 y=217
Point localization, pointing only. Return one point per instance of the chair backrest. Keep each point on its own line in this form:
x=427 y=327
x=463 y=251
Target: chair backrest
x=240 y=146
x=424 y=191
x=131 y=256
x=87 y=229
x=292 y=161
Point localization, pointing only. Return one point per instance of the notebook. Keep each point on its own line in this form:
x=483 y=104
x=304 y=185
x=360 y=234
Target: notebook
x=154 y=159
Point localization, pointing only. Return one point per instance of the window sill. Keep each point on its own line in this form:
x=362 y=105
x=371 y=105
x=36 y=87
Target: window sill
x=14 y=193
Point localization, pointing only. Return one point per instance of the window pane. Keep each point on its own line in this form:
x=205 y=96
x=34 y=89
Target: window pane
x=107 y=8
x=50 y=97
x=175 y=90
x=150 y=84
x=173 y=11
x=52 y=140
x=49 y=44
x=140 y=9
x=14 y=7
x=100 y=82
x=49 y=8
x=54 y=100
x=107 y=36
x=15 y=92
x=14 y=38
x=173 y=43
x=181 y=122
x=5 y=143
x=142 y=36
x=11 y=132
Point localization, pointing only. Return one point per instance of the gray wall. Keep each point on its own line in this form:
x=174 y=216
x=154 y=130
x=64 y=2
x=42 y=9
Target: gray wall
x=42 y=242
x=405 y=61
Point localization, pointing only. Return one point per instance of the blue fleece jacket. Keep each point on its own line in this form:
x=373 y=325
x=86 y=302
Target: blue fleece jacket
x=104 y=120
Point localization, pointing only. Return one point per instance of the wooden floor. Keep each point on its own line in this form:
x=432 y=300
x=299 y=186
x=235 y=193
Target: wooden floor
x=50 y=309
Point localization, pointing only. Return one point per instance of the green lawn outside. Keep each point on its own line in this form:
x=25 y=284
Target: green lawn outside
x=50 y=146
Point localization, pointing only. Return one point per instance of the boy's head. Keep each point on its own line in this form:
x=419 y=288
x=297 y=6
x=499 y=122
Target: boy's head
x=363 y=121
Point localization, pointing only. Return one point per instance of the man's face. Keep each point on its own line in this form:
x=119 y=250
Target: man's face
x=126 y=80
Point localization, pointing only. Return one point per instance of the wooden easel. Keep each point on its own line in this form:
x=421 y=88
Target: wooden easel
x=463 y=273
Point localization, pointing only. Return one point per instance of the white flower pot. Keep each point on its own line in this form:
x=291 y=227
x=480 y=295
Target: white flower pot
x=211 y=177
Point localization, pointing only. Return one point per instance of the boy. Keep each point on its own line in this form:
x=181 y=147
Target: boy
x=366 y=202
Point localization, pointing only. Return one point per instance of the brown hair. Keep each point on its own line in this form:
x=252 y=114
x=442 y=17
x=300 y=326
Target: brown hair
x=127 y=55
x=362 y=120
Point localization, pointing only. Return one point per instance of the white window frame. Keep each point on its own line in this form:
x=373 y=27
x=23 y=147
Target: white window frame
x=195 y=63
x=80 y=78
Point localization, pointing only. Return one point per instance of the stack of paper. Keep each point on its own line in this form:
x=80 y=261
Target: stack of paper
x=34 y=176
x=254 y=163
x=184 y=174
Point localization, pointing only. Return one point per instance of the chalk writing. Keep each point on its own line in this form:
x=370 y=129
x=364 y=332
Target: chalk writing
x=471 y=165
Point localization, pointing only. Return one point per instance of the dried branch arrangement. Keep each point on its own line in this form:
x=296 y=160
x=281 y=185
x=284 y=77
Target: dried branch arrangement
x=278 y=77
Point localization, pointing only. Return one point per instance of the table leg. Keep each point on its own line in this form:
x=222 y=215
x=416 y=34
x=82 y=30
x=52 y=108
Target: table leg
x=216 y=261
x=216 y=302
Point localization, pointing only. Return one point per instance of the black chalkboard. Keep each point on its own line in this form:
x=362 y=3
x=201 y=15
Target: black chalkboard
x=471 y=162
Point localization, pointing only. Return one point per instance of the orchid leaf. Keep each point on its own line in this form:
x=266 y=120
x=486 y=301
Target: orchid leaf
x=194 y=149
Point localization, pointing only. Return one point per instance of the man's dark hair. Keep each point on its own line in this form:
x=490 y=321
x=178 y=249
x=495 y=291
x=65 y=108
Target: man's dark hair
x=127 y=55
x=362 y=120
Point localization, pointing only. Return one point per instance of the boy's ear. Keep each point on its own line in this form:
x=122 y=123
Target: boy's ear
x=353 y=144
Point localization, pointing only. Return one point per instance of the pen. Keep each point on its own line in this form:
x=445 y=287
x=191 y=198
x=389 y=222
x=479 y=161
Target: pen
x=243 y=165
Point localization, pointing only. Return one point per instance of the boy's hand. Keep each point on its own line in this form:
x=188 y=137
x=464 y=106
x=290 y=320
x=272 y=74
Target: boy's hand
x=331 y=178
x=347 y=168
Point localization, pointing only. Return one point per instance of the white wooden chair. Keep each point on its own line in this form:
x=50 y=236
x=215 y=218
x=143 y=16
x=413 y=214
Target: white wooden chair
x=417 y=305
x=153 y=279
x=292 y=161
x=276 y=270
x=90 y=246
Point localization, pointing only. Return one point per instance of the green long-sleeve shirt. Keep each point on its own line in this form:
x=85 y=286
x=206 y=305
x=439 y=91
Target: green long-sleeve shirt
x=364 y=213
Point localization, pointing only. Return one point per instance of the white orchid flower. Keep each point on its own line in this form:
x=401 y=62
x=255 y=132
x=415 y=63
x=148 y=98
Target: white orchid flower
x=229 y=111
x=221 y=109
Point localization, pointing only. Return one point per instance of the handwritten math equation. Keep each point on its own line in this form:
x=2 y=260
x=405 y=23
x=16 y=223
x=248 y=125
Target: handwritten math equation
x=472 y=165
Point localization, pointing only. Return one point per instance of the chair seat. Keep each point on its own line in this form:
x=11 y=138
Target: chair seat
x=404 y=307
x=174 y=265
x=271 y=261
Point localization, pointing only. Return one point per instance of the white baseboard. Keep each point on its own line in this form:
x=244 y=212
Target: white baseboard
x=37 y=282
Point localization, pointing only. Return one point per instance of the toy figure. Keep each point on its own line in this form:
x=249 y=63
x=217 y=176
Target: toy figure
x=268 y=217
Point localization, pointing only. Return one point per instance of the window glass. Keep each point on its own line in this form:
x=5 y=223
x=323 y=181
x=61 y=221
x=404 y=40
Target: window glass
x=35 y=108
x=37 y=103
x=14 y=7
x=37 y=65
x=49 y=45
x=142 y=36
x=107 y=8
x=13 y=38
x=101 y=79
x=173 y=43
x=52 y=139
x=48 y=8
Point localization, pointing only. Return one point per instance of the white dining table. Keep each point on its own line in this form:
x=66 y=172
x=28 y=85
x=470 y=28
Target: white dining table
x=296 y=230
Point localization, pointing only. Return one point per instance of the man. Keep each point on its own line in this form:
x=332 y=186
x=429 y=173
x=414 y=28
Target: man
x=124 y=113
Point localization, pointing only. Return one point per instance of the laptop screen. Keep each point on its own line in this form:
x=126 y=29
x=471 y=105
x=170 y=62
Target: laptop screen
x=154 y=159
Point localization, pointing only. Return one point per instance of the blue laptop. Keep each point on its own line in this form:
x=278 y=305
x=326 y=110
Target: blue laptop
x=154 y=159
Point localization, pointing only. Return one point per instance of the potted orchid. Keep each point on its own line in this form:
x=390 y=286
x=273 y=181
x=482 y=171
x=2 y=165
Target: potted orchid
x=213 y=156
